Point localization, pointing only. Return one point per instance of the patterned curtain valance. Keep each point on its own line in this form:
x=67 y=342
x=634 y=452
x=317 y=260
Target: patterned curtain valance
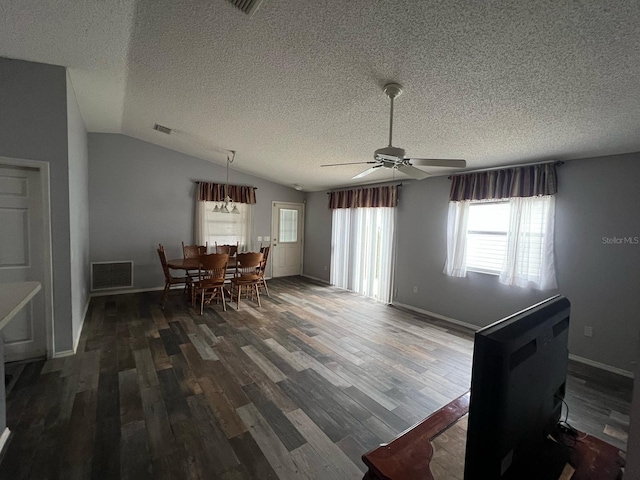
x=365 y=197
x=216 y=192
x=527 y=181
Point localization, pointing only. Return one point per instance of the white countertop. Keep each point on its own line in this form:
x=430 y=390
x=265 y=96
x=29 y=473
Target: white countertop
x=14 y=296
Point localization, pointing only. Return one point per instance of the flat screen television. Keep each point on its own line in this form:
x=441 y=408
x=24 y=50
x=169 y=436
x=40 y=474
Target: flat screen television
x=518 y=384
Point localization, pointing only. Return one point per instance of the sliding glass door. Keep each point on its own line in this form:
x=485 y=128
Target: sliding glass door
x=362 y=250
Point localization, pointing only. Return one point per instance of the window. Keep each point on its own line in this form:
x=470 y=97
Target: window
x=288 y=225
x=362 y=245
x=511 y=238
x=487 y=230
x=225 y=228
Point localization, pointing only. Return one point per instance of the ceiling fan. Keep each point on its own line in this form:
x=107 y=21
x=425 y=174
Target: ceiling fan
x=394 y=157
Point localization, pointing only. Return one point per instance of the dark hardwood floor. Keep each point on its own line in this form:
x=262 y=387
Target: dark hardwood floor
x=297 y=389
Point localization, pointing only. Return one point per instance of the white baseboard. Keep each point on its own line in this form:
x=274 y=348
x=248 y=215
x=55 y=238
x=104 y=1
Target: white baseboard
x=106 y=293
x=315 y=279
x=4 y=438
x=84 y=316
x=601 y=366
x=438 y=316
x=586 y=361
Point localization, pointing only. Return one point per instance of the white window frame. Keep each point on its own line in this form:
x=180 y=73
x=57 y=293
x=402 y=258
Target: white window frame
x=475 y=268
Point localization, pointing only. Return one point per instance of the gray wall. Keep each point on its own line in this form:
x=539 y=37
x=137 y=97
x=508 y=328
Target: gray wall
x=141 y=194
x=78 y=210
x=33 y=126
x=317 y=245
x=597 y=198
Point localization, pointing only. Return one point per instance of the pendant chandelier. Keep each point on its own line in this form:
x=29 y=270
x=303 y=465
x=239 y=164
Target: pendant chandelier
x=228 y=206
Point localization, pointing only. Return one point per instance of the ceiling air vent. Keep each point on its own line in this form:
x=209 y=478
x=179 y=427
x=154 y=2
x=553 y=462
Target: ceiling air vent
x=247 y=6
x=162 y=129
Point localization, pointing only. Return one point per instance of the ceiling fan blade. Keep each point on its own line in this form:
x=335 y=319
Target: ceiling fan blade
x=437 y=162
x=349 y=163
x=413 y=172
x=367 y=172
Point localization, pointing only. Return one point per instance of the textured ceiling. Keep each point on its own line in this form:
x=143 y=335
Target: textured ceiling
x=300 y=83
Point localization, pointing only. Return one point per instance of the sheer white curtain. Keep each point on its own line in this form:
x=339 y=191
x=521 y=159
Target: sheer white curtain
x=362 y=250
x=530 y=260
x=224 y=228
x=457 y=220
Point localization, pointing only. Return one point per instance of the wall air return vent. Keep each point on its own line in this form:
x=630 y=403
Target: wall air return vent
x=111 y=275
x=247 y=6
x=162 y=129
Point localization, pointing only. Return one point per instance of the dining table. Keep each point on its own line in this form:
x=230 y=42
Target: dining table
x=194 y=263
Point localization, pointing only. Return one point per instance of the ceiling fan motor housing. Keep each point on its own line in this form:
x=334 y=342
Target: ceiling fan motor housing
x=389 y=154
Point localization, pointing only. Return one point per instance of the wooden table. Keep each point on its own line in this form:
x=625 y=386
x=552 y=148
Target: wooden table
x=434 y=449
x=194 y=263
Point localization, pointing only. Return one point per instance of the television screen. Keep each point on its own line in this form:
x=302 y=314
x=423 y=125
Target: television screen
x=517 y=386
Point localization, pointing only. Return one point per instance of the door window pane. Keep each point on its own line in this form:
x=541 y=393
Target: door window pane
x=288 y=225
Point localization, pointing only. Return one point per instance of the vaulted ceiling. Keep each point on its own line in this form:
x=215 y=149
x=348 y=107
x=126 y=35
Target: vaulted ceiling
x=299 y=84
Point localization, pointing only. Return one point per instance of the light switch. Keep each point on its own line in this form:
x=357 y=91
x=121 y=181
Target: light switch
x=266 y=239
x=259 y=239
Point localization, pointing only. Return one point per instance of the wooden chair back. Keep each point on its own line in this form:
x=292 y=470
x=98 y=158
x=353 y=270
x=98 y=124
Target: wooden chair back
x=213 y=268
x=265 y=256
x=248 y=266
x=163 y=261
x=194 y=251
x=232 y=250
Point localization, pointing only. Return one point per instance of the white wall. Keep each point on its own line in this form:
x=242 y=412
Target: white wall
x=141 y=194
x=78 y=211
x=33 y=126
x=597 y=198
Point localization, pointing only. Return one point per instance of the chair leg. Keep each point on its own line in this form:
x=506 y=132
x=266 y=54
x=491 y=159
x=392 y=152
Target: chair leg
x=264 y=282
x=257 y=293
x=224 y=304
x=238 y=297
x=165 y=295
x=202 y=300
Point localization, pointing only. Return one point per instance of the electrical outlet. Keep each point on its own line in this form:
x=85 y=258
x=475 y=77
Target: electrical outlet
x=266 y=239
x=395 y=293
x=588 y=331
x=415 y=289
x=325 y=268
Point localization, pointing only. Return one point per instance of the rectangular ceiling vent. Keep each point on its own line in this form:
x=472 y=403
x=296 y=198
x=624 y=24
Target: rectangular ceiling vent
x=110 y=275
x=162 y=129
x=247 y=6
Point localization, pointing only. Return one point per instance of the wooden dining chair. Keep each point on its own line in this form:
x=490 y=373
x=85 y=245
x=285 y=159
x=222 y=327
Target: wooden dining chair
x=210 y=282
x=232 y=250
x=169 y=279
x=263 y=266
x=194 y=251
x=247 y=276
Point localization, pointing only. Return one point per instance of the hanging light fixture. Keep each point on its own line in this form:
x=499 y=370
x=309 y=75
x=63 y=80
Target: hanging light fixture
x=229 y=205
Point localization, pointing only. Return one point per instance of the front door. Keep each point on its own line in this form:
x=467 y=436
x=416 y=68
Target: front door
x=286 y=236
x=22 y=258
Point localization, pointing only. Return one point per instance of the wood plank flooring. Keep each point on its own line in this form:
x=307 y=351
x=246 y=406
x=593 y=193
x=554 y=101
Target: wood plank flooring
x=297 y=389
